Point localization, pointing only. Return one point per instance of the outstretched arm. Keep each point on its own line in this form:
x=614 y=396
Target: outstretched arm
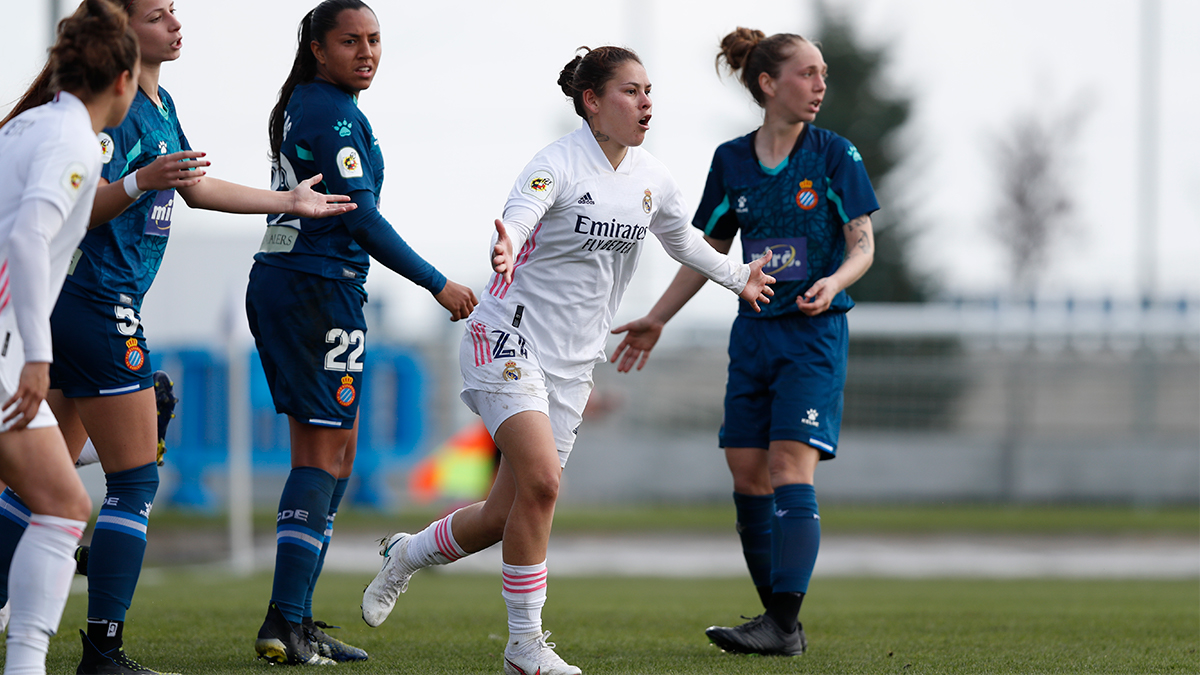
x=177 y=170
x=218 y=195
x=642 y=334
x=380 y=240
x=860 y=253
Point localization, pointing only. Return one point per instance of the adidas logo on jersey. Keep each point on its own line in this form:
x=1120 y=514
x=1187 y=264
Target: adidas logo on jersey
x=586 y=199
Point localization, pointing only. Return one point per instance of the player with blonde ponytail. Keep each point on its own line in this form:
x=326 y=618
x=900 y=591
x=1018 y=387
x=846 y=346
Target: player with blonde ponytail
x=801 y=192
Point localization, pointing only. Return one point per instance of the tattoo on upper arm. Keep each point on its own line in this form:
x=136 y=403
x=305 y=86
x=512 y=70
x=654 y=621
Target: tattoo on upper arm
x=858 y=234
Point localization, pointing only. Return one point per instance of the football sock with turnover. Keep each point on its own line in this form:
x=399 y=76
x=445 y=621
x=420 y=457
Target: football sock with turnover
x=754 y=513
x=435 y=545
x=299 y=537
x=44 y=563
x=524 y=591
x=795 y=539
x=119 y=542
x=339 y=490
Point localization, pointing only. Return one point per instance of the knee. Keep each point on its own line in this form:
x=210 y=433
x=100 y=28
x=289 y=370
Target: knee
x=752 y=483
x=541 y=489
x=79 y=507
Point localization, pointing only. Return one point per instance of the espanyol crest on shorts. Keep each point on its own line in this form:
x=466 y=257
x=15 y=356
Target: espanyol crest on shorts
x=135 y=358
x=345 y=393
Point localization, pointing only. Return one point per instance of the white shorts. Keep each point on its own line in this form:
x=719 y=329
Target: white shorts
x=502 y=377
x=12 y=360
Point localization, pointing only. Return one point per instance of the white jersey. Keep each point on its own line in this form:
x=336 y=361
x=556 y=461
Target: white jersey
x=577 y=227
x=49 y=168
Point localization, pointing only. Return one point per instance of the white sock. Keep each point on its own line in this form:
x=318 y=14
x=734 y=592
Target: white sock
x=88 y=455
x=43 y=564
x=435 y=545
x=524 y=591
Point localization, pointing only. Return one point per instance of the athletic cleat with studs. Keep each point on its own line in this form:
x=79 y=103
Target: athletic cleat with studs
x=112 y=662
x=380 y=595
x=328 y=646
x=5 y=615
x=165 y=400
x=760 y=635
x=281 y=642
x=535 y=656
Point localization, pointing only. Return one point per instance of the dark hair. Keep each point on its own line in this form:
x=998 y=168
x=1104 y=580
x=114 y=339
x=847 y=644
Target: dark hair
x=592 y=70
x=314 y=26
x=753 y=53
x=94 y=46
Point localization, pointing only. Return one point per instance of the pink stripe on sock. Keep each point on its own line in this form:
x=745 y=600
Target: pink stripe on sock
x=531 y=589
x=524 y=583
x=441 y=537
x=73 y=531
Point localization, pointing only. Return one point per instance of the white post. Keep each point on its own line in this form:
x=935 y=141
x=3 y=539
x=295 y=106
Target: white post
x=240 y=485
x=1148 y=109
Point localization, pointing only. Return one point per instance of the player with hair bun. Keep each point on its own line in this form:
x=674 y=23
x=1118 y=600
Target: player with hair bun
x=305 y=306
x=101 y=384
x=802 y=192
x=49 y=169
x=563 y=254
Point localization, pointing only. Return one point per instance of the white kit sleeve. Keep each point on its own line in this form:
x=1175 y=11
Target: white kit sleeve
x=29 y=274
x=686 y=245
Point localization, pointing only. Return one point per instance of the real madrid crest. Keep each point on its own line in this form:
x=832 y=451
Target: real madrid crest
x=647 y=202
x=806 y=198
x=345 y=393
x=511 y=372
x=135 y=358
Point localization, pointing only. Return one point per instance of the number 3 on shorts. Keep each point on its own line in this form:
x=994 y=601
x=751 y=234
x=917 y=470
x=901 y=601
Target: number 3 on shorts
x=345 y=340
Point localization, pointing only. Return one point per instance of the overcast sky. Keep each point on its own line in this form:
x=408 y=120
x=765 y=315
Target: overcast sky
x=466 y=95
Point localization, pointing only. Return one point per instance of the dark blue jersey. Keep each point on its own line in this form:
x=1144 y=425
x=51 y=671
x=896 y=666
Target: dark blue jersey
x=117 y=261
x=324 y=132
x=797 y=210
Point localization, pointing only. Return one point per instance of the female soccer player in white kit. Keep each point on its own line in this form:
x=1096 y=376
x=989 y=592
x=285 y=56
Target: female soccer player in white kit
x=563 y=255
x=49 y=168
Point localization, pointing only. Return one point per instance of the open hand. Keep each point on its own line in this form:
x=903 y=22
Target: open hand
x=641 y=336
x=502 y=255
x=757 y=289
x=308 y=203
x=176 y=170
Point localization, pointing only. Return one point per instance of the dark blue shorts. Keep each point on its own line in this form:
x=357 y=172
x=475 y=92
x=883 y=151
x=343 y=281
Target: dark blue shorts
x=311 y=337
x=99 y=349
x=786 y=377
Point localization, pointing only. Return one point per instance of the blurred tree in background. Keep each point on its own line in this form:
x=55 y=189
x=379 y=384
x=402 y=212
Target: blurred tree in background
x=1034 y=209
x=858 y=106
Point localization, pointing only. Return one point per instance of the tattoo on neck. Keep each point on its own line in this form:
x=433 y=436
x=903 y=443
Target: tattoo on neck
x=601 y=137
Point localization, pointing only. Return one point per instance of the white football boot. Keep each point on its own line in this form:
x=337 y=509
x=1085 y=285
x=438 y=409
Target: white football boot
x=532 y=655
x=392 y=580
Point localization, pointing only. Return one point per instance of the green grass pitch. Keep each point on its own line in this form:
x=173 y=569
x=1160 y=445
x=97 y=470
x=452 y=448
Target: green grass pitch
x=195 y=622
